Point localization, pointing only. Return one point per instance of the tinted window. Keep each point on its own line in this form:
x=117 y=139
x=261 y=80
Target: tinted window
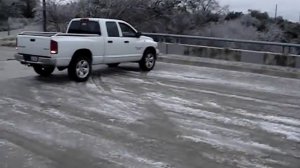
x=112 y=29
x=127 y=31
x=84 y=27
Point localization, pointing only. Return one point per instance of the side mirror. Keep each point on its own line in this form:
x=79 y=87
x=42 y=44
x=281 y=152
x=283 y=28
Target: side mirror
x=138 y=34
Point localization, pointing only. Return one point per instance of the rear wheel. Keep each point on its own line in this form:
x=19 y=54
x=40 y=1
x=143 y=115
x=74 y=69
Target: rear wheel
x=147 y=63
x=43 y=70
x=113 y=65
x=80 y=69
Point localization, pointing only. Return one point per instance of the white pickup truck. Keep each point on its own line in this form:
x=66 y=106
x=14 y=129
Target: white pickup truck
x=87 y=42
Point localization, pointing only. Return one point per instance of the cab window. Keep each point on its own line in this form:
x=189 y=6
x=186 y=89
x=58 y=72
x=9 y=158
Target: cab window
x=112 y=29
x=127 y=31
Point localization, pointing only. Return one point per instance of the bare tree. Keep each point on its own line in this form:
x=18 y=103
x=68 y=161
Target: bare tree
x=59 y=13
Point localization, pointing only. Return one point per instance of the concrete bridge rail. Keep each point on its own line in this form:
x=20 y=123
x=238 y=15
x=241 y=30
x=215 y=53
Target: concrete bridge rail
x=258 y=52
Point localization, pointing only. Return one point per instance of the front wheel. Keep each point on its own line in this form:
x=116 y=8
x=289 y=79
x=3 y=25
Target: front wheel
x=148 y=61
x=80 y=69
x=43 y=70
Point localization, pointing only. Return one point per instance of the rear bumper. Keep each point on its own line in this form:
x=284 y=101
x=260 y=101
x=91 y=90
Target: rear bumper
x=41 y=60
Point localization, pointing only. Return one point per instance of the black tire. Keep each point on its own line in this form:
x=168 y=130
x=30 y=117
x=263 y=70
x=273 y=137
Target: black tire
x=80 y=69
x=148 y=61
x=44 y=71
x=113 y=65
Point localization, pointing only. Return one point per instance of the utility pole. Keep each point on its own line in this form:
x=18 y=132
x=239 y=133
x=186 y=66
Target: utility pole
x=276 y=9
x=8 y=27
x=44 y=16
x=10 y=9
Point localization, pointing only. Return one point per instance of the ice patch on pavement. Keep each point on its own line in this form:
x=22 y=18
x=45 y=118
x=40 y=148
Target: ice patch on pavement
x=138 y=81
x=221 y=130
x=13 y=155
x=181 y=109
x=243 y=162
x=214 y=104
x=114 y=104
x=285 y=126
x=232 y=144
x=37 y=95
x=235 y=79
x=201 y=126
x=2 y=102
x=172 y=100
x=219 y=137
x=290 y=132
x=54 y=134
x=2 y=143
x=278 y=119
x=247 y=98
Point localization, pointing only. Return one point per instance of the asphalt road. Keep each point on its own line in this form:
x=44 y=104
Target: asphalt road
x=175 y=116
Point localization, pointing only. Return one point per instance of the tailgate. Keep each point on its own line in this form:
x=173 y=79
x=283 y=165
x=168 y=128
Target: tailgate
x=34 y=45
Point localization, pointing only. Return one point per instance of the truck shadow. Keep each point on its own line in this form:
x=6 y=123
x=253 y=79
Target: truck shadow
x=63 y=78
x=55 y=79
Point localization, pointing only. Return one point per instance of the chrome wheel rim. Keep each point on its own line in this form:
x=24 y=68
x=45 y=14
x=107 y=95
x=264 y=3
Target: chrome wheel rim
x=82 y=69
x=149 y=60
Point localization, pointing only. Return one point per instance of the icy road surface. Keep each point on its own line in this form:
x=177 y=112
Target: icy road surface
x=175 y=116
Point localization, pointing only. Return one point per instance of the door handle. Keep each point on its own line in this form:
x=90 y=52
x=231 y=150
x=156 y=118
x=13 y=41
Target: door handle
x=126 y=41
x=110 y=41
x=32 y=40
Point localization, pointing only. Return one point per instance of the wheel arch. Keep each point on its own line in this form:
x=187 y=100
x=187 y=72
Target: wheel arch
x=151 y=49
x=83 y=52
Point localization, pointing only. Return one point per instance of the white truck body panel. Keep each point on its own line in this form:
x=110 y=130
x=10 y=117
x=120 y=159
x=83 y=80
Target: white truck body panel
x=68 y=45
x=34 y=45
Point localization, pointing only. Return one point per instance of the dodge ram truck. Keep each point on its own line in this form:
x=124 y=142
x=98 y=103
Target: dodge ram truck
x=87 y=42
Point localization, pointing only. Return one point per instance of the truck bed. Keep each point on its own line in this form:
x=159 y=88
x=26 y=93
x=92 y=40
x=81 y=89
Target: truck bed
x=38 y=43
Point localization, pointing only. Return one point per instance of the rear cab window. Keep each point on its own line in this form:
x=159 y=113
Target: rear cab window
x=112 y=29
x=84 y=26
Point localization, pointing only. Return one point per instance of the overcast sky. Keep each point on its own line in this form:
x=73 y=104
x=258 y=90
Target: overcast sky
x=289 y=9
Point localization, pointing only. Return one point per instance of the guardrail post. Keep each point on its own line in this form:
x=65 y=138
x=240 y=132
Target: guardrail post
x=8 y=29
x=167 y=48
x=286 y=50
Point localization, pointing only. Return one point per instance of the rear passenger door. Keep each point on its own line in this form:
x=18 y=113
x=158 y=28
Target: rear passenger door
x=86 y=26
x=113 y=49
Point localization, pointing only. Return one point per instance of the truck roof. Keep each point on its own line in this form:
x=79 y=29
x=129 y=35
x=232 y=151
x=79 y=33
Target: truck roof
x=97 y=19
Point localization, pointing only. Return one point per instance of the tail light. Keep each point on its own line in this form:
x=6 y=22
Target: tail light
x=53 y=47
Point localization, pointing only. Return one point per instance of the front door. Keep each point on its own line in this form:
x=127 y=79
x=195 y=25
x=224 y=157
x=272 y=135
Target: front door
x=113 y=44
x=131 y=43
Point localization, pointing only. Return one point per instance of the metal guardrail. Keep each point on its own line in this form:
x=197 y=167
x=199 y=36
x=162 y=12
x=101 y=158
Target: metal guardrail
x=216 y=39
